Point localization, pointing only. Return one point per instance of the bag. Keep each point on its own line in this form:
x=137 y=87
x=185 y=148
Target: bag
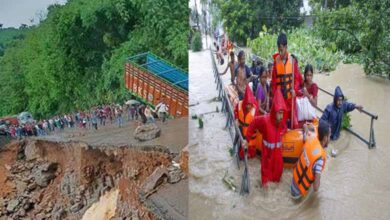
x=305 y=110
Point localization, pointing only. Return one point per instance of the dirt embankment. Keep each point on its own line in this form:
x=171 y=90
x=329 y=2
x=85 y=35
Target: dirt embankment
x=41 y=179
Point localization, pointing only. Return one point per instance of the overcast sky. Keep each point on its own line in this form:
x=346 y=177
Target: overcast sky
x=13 y=13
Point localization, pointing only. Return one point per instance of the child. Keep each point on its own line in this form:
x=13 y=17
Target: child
x=310 y=89
x=262 y=93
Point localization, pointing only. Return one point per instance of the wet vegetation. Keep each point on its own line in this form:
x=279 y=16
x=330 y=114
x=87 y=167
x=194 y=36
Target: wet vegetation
x=75 y=57
x=354 y=31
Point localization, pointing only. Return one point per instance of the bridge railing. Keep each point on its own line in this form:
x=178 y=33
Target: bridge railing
x=234 y=131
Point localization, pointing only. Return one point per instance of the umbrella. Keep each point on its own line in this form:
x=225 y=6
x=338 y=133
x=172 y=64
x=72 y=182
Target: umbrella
x=132 y=102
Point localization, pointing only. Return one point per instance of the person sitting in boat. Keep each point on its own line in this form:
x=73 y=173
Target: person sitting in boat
x=334 y=112
x=310 y=88
x=262 y=93
x=311 y=163
x=231 y=66
x=242 y=75
x=245 y=111
x=307 y=98
x=272 y=126
x=286 y=76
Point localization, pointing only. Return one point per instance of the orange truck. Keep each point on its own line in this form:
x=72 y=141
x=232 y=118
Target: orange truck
x=151 y=78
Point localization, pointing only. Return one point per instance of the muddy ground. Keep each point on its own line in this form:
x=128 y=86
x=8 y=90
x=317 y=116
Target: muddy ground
x=174 y=134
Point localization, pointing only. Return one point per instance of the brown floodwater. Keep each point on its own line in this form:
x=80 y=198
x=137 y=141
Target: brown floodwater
x=354 y=185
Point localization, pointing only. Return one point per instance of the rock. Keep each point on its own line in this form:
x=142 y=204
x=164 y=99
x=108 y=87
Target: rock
x=32 y=152
x=174 y=176
x=29 y=165
x=135 y=215
x=8 y=167
x=153 y=181
x=40 y=216
x=59 y=170
x=12 y=205
x=133 y=173
x=76 y=207
x=49 y=167
x=109 y=181
x=48 y=209
x=58 y=215
x=44 y=173
x=27 y=179
x=147 y=132
x=88 y=173
x=31 y=186
x=28 y=205
x=68 y=184
x=104 y=190
x=20 y=155
x=82 y=189
x=78 y=198
x=22 y=213
x=20 y=186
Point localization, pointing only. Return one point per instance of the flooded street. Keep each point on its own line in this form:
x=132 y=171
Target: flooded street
x=354 y=185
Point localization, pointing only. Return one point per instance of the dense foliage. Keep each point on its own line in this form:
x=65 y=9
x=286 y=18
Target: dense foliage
x=245 y=19
x=75 y=57
x=301 y=43
x=8 y=35
x=362 y=30
x=197 y=42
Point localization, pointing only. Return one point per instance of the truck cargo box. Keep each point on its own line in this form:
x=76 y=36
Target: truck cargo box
x=150 y=78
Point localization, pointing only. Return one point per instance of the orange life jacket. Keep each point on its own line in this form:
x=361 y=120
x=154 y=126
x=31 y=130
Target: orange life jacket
x=244 y=122
x=284 y=75
x=303 y=175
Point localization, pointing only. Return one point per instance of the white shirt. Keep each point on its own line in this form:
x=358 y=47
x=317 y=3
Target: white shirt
x=162 y=107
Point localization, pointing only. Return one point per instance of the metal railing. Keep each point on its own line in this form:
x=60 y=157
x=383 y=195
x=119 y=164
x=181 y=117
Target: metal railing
x=370 y=141
x=234 y=131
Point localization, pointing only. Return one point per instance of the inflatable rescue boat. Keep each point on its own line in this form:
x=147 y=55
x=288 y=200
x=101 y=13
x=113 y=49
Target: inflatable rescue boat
x=292 y=140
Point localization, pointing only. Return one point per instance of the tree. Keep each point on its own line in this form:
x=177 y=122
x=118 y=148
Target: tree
x=360 y=28
x=75 y=57
x=245 y=19
x=23 y=26
x=238 y=18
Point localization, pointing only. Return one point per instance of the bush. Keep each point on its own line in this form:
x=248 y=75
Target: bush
x=359 y=29
x=197 y=42
x=304 y=45
x=346 y=123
